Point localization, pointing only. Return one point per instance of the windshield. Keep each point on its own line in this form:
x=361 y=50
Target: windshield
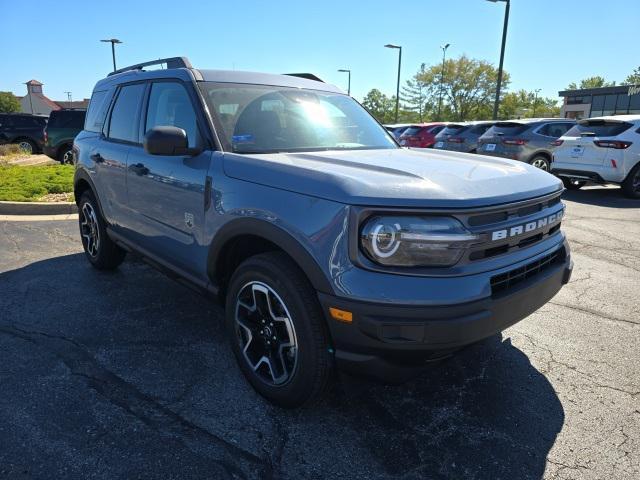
x=269 y=119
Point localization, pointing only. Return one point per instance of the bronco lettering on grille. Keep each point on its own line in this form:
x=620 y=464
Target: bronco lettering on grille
x=527 y=227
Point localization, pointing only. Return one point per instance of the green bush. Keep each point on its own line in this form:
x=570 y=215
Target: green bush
x=28 y=184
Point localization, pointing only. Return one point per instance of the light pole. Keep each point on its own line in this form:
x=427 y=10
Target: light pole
x=68 y=98
x=444 y=53
x=535 y=101
x=346 y=70
x=390 y=45
x=113 y=42
x=504 y=40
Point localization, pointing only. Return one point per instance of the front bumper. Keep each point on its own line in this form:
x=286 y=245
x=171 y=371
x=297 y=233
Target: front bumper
x=394 y=342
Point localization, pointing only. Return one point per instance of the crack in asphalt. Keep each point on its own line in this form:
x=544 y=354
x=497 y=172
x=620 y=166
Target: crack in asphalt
x=234 y=461
x=595 y=313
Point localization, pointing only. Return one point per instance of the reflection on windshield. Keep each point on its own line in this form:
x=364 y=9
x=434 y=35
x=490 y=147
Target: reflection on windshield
x=264 y=119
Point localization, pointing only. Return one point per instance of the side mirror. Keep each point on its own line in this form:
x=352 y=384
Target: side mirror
x=168 y=140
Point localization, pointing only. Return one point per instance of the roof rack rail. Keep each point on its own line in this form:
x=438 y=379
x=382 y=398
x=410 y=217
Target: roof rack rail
x=308 y=76
x=172 y=62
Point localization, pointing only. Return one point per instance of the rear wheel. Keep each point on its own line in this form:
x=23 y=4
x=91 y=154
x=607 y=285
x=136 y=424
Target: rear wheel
x=540 y=162
x=572 y=184
x=27 y=146
x=631 y=184
x=65 y=155
x=100 y=250
x=277 y=330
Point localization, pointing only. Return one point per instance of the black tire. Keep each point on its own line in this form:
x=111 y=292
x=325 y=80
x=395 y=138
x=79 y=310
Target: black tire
x=100 y=250
x=28 y=145
x=631 y=184
x=65 y=155
x=571 y=184
x=541 y=162
x=308 y=372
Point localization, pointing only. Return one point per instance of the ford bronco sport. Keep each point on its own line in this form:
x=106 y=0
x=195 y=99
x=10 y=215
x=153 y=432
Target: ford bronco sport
x=329 y=244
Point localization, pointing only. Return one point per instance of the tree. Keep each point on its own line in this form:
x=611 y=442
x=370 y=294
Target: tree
x=633 y=78
x=523 y=104
x=380 y=106
x=468 y=87
x=591 y=82
x=414 y=97
x=8 y=103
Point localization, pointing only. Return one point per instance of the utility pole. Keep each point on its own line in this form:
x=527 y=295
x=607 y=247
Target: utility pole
x=69 y=99
x=535 y=101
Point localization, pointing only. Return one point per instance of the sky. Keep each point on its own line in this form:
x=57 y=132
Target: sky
x=550 y=43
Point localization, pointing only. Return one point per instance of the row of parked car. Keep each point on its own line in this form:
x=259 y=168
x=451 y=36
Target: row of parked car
x=597 y=150
x=52 y=135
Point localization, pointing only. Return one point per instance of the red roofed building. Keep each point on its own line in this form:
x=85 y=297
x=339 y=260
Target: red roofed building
x=38 y=103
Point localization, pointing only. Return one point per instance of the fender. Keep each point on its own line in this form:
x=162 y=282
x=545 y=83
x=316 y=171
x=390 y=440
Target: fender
x=277 y=236
x=82 y=174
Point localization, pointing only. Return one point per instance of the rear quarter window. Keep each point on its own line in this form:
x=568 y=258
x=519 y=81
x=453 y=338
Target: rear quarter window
x=598 y=128
x=98 y=106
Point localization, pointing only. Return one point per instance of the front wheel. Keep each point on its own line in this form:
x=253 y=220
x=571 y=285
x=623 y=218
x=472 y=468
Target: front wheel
x=572 y=184
x=631 y=184
x=100 y=250
x=540 y=162
x=277 y=330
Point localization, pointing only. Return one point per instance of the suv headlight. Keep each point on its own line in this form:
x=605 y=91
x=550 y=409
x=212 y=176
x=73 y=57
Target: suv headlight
x=412 y=241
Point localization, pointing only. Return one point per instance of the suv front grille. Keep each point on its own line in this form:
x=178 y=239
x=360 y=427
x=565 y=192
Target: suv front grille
x=504 y=281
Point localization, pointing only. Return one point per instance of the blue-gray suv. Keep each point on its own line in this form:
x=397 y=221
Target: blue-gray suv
x=329 y=244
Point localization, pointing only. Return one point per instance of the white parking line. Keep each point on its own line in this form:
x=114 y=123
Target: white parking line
x=37 y=218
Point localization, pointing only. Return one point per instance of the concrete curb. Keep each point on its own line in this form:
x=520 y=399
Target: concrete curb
x=38 y=208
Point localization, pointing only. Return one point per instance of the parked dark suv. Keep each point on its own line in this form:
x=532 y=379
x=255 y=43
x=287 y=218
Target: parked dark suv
x=61 y=129
x=24 y=130
x=530 y=140
x=329 y=245
x=461 y=137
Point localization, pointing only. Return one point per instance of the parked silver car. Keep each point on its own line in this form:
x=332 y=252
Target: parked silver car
x=528 y=140
x=461 y=137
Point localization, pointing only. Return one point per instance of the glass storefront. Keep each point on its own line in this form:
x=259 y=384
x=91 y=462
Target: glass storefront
x=610 y=103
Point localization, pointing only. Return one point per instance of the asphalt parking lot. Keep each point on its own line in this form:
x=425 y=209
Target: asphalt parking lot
x=128 y=375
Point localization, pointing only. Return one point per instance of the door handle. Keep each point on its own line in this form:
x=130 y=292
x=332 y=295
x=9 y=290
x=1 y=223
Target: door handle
x=139 y=169
x=96 y=157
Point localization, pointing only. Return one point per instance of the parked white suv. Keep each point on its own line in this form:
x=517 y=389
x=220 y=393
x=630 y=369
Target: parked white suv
x=600 y=150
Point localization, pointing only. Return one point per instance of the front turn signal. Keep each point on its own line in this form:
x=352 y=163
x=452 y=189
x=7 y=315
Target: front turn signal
x=341 y=315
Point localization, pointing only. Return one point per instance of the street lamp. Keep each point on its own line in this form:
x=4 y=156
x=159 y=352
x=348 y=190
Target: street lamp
x=346 y=70
x=504 y=40
x=444 y=52
x=390 y=45
x=112 y=41
x=535 y=101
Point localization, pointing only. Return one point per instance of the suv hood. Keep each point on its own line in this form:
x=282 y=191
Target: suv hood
x=396 y=177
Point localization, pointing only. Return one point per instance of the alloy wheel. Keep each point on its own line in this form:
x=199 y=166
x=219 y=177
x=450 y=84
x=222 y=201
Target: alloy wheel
x=540 y=163
x=636 y=182
x=67 y=157
x=26 y=147
x=89 y=229
x=266 y=334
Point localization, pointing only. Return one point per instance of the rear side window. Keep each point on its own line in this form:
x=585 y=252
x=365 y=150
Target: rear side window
x=598 y=128
x=67 y=119
x=97 y=112
x=169 y=105
x=555 y=129
x=5 y=121
x=125 y=121
x=507 y=128
x=28 y=121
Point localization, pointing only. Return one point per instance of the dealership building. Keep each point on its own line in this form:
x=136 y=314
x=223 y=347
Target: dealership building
x=597 y=102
